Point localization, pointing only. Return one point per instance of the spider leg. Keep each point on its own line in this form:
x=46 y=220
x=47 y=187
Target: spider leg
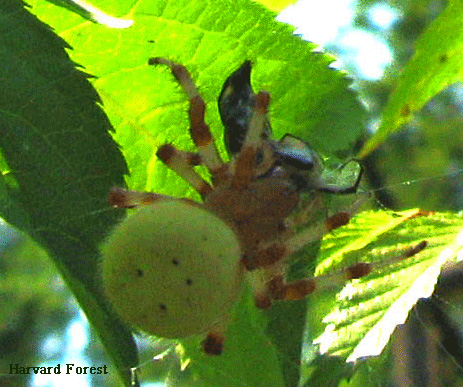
x=199 y=130
x=213 y=343
x=182 y=163
x=307 y=213
x=276 y=288
x=270 y=253
x=123 y=198
x=270 y=257
x=316 y=232
x=299 y=289
x=244 y=165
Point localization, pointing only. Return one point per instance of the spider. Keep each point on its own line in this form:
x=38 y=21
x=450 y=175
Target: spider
x=176 y=267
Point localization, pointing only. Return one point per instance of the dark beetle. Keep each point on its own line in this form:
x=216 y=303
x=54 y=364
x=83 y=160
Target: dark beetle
x=293 y=155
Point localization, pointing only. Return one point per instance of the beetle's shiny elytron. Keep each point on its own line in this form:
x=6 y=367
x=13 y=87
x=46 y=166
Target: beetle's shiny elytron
x=176 y=267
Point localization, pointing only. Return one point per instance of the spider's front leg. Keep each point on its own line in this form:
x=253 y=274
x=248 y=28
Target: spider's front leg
x=272 y=260
x=299 y=289
x=273 y=252
x=274 y=287
x=199 y=130
x=123 y=198
x=245 y=162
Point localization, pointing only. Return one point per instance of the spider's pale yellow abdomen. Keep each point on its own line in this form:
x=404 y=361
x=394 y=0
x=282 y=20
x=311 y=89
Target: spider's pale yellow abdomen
x=172 y=269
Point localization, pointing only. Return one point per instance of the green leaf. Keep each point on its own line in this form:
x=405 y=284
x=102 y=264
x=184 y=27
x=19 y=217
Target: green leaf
x=249 y=358
x=358 y=320
x=58 y=162
x=211 y=39
x=435 y=65
x=88 y=11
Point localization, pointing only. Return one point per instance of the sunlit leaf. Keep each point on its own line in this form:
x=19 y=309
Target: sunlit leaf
x=365 y=312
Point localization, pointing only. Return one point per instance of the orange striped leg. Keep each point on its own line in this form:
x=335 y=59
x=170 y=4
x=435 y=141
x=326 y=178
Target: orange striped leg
x=122 y=198
x=199 y=130
x=316 y=232
x=299 y=289
x=245 y=161
x=181 y=163
x=277 y=289
x=213 y=343
x=270 y=253
x=307 y=213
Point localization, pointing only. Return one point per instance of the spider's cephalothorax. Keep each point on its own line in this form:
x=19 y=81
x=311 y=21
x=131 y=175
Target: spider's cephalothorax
x=175 y=267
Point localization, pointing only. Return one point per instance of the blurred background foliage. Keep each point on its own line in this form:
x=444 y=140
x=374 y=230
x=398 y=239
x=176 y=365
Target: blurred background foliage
x=429 y=148
x=419 y=165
